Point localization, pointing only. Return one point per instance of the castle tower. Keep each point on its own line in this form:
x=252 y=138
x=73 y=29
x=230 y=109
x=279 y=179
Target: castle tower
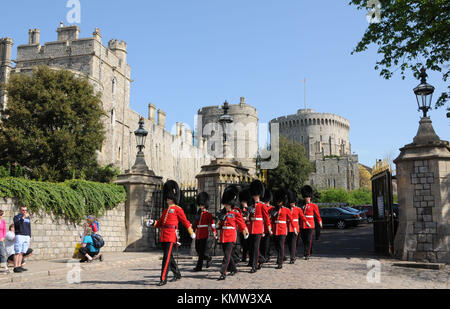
x=34 y=36
x=119 y=49
x=5 y=67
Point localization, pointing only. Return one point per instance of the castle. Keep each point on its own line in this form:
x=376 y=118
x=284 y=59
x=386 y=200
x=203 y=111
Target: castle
x=177 y=156
x=326 y=141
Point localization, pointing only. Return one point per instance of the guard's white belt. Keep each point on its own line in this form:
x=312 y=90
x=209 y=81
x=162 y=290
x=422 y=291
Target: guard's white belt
x=228 y=228
x=295 y=220
x=309 y=216
x=213 y=226
x=257 y=219
x=280 y=222
x=202 y=226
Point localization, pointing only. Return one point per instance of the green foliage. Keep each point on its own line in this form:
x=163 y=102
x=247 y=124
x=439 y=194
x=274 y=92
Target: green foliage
x=294 y=167
x=71 y=200
x=52 y=126
x=411 y=34
x=361 y=196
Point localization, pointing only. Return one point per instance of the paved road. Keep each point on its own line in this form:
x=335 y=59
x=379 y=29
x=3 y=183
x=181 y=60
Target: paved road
x=340 y=261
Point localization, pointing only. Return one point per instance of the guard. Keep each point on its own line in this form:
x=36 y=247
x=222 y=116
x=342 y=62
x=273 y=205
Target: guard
x=259 y=218
x=203 y=221
x=168 y=223
x=245 y=199
x=307 y=226
x=281 y=218
x=266 y=239
x=229 y=222
x=294 y=227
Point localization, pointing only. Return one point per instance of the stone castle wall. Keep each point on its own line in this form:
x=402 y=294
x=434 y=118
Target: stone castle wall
x=171 y=156
x=56 y=239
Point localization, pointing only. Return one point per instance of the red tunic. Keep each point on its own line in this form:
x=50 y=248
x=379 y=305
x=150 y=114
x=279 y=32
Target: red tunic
x=201 y=226
x=168 y=223
x=297 y=216
x=229 y=226
x=310 y=211
x=259 y=220
x=281 y=221
x=269 y=209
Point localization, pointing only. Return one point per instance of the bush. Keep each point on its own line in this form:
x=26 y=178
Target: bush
x=362 y=196
x=71 y=200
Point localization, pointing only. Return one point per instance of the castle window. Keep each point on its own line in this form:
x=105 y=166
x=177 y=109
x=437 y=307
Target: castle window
x=334 y=182
x=113 y=116
x=322 y=122
x=119 y=154
x=339 y=169
x=113 y=85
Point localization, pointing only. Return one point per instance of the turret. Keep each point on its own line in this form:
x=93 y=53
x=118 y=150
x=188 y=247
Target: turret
x=119 y=49
x=34 y=36
x=68 y=33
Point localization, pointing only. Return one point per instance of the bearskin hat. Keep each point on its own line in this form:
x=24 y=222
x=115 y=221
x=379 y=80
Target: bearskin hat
x=268 y=197
x=230 y=195
x=171 y=190
x=257 y=188
x=292 y=196
x=307 y=191
x=245 y=196
x=203 y=199
x=280 y=195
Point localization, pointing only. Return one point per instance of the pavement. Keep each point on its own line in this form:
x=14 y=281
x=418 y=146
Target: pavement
x=341 y=259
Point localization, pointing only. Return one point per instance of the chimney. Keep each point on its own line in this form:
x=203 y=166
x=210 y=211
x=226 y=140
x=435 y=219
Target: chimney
x=189 y=137
x=152 y=112
x=5 y=51
x=34 y=36
x=161 y=118
x=242 y=101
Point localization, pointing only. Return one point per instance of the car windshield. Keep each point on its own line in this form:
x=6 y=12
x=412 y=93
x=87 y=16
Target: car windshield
x=350 y=209
x=345 y=211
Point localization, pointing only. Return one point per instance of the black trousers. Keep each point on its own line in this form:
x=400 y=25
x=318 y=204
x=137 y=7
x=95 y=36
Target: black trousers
x=168 y=260
x=265 y=247
x=201 y=248
x=291 y=240
x=254 y=242
x=279 y=246
x=244 y=246
x=228 y=263
x=307 y=235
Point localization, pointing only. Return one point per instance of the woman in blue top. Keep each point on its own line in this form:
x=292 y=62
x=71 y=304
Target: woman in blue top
x=88 y=250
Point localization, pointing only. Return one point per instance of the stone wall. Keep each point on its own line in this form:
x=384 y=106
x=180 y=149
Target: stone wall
x=56 y=239
x=336 y=173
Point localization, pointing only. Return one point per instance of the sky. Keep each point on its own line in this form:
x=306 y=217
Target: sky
x=186 y=54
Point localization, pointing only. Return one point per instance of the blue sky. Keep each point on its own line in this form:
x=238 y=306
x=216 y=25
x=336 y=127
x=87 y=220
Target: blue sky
x=186 y=54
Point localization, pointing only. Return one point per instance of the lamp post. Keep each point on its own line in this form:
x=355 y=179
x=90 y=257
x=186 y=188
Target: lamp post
x=141 y=136
x=424 y=93
x=225 y=120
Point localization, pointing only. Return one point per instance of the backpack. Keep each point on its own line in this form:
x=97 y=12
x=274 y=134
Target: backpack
x=98 y=241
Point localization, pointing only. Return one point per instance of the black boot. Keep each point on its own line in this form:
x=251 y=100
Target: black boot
x=208 y=262
x=280 y=266
x=222 y=277
x=176 y=277
x=161 y=283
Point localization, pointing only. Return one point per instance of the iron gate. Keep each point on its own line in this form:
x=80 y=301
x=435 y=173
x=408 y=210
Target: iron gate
x=383 y=213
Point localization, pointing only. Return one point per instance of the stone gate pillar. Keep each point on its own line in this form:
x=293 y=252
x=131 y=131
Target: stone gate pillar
x=423 y=179
x=140 y=184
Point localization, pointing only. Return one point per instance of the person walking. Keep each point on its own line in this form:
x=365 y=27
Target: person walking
x=204 y=221
x=22 y=227
x=266 y=238
x=294 y=227
x=229 y=222
x=307 y=227
x=245 y=199
x=168 y=223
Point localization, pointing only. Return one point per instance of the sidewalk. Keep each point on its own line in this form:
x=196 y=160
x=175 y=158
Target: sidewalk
x=42 y=269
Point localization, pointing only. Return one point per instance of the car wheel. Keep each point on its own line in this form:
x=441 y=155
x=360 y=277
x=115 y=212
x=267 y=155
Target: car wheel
x=340 y=224
x=370 y=220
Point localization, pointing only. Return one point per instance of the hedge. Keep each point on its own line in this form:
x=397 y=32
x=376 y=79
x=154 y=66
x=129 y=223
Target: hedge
x=72 y=200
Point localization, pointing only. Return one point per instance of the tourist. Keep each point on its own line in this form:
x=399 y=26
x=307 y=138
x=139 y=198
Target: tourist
x=88 y=251
x=3 y=255
x=9 y=245
x=22 y=227
x=93 y=224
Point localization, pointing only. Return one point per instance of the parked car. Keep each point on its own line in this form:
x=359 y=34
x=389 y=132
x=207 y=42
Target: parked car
x=368 y=210
x=339 y=217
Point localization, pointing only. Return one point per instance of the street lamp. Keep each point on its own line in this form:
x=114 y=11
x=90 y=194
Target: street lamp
x=141 y=135
x=225 y=120
x=424 y=93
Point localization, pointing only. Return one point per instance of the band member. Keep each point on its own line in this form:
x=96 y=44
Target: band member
x=259 y=218
x=229 y=222
x=245 y=199
x=294 y=227
x=307 y=226
x=265 y=241
x=204 y=220
x=168 y=223
x=281 y=218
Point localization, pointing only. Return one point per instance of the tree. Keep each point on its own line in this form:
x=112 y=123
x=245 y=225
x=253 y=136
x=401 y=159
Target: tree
x=294 y=167
x=52 y=125
x=364 y=177
x=410 y=34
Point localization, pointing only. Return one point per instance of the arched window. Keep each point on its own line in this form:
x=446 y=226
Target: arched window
x=113 y=85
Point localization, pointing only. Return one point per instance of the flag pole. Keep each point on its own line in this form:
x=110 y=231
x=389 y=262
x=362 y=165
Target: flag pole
x=304 y=81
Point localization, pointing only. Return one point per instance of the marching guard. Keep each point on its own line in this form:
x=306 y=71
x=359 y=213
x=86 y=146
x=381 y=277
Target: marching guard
x=259 y=218
x=294 y=227
x=265 y=241
x=245 y=199
x=168 y=223
x=204 y=220
x=229 y=222
x=281 y=218
x=307 y=226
